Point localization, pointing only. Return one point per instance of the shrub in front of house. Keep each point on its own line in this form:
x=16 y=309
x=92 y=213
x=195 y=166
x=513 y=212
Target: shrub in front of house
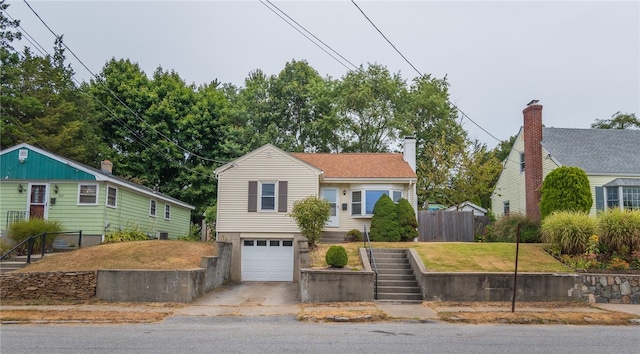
x=620 y=231
x=568 y=231
x=506 y=229
x=565 y=189
x=311 y=214
x=336 y=256
x=353 y=235
x=407 y=221
x=384 y=223
x=22 y=230
x=125 y=236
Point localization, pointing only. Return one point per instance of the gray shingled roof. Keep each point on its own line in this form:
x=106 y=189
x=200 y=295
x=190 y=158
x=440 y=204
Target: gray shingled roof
x=623 y=182
x=596 y=151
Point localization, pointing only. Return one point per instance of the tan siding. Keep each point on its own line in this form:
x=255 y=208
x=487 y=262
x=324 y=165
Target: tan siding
x=233 y=198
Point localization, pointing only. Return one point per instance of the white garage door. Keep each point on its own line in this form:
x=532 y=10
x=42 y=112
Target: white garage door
x=267 y=260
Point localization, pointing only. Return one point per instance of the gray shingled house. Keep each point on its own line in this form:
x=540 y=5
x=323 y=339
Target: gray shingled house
x=609 y=157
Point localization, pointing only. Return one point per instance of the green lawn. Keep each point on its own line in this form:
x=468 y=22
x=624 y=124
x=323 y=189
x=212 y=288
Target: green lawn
x=465 y=256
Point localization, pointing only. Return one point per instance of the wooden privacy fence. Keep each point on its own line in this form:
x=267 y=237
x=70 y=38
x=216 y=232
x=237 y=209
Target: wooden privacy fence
x=445 y=226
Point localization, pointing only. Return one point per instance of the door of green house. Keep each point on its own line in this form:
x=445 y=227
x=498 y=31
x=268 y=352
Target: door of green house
x=38 y=201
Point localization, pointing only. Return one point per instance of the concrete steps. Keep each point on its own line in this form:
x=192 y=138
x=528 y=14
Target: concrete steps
x=17 y=262
x=396 y=281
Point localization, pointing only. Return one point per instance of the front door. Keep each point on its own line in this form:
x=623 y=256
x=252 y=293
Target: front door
x=331 y=194
x=37 y=200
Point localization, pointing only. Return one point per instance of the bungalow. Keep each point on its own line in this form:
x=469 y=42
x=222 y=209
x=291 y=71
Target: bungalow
x=256 y=192
x=37 y=183
x=609 y=157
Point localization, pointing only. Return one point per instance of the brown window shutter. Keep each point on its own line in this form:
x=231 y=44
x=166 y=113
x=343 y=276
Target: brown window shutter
x=282 y=196
x=253 y=196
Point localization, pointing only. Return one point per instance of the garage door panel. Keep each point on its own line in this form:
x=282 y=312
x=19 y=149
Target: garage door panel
x=267 y=260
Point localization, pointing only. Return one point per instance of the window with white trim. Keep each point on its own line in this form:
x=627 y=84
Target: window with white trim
x=631 y=198
x=152 y=207
x=522 y=162
x=363 y=201
x=87 y=194
x=267 y=196
x=506 y=207
x=167 y=211
x=112 y=197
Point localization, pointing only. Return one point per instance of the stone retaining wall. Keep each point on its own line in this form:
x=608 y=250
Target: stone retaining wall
x=48 y=285
x=610 y=288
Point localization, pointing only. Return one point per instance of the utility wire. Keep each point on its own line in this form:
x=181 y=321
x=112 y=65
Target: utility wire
x=29 y=38
x=312 y=41
x=116 y=96
x=418 y=71
x=318 y=39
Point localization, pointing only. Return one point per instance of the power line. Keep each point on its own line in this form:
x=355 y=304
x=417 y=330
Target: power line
x=385 y=37
x=318 y=39
x=307 y=37
x=418 y=71
x=114 y=94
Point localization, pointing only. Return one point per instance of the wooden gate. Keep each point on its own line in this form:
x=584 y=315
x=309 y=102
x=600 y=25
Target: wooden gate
x=445 y=226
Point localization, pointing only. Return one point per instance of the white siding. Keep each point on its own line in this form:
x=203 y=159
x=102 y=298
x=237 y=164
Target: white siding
x=510 y=185
x=266 y=164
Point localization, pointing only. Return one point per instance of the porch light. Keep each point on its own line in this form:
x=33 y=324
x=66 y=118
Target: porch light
x=20 y=188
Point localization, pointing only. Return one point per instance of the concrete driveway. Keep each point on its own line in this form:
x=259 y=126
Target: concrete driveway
x=247 y=299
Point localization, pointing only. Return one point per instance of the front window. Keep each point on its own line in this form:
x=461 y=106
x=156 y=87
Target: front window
x=631 y=198
x=613 y=200
x=88 y=194
x=506 y=208
x=268 y=196
x=368 y=198
x=112 y=197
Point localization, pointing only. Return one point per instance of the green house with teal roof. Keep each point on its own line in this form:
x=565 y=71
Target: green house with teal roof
x=37 y=183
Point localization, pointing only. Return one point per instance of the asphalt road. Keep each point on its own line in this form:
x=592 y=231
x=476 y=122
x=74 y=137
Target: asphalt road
x=283 y=334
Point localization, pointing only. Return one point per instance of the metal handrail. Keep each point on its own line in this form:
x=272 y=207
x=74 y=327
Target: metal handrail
x=372 y=261
x=30 y=242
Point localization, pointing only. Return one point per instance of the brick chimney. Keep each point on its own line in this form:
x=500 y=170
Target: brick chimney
x=106 y=166
x=533 y=158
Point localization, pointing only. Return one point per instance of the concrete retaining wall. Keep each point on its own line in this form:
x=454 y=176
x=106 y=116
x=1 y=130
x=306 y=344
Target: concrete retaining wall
x=337 y=285
x=150 y=285
x=122 y=285
x=499 y=286
x=48 y=285
x=217 y=268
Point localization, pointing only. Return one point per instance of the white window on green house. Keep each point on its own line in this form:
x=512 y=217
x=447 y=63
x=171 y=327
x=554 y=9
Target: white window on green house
x=167 y=211
x=112 y=197
x=152 y=207
x=87 y=194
